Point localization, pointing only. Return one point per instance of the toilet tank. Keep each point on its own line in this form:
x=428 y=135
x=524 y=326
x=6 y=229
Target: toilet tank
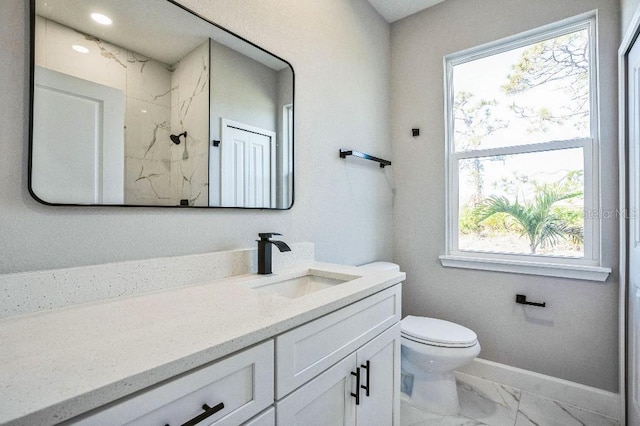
x=381 y=266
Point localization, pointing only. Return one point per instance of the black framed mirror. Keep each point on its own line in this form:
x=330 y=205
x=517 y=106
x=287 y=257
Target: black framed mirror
x=145 y=103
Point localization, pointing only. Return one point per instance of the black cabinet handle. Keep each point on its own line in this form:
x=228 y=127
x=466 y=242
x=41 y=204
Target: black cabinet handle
x=208 y=412
x=367 y=367
x=357 y=394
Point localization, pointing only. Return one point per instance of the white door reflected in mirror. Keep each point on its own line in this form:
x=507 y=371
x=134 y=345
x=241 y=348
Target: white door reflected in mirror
x=77 y=120
x=248 y=166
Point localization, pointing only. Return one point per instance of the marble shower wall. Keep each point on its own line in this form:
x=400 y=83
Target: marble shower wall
x=159 y=101
x=147 y=129
x=190 y=113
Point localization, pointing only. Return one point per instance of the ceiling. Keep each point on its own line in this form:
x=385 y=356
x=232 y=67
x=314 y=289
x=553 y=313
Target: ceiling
x=162 y=31
x=157 y=29
x=392 y=10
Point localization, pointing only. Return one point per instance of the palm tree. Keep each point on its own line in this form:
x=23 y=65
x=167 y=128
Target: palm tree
x=536 y=220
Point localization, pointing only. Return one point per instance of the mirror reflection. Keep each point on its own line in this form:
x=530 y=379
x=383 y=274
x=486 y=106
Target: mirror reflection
x=144 y=103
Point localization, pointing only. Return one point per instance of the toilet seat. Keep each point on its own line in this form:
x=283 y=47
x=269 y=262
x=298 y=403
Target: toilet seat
x=436 y=332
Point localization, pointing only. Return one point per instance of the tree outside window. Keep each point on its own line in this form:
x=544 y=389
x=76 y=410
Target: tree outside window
x=521 y=138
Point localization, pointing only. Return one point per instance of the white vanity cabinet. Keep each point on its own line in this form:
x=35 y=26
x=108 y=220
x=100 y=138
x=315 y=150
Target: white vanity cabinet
x=230 y=339
x=268 y=418
x=235 y=389
x=342 y=368
x=379 y=362
x=345 y=366
x=333 y=399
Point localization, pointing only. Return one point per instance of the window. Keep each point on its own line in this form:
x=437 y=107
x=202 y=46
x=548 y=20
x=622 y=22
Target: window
x=522 y=155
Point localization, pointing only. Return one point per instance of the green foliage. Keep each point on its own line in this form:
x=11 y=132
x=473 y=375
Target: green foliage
x=540 y=221
x=467 y=223
x=495 y=225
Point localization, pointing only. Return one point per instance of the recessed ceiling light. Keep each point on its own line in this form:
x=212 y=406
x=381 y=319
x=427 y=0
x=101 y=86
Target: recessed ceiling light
x=80 y=49
x=101 y=19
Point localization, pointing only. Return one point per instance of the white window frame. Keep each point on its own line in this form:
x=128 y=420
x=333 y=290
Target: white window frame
x=587 y=267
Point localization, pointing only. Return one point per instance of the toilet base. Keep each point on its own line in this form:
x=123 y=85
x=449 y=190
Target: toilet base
x=435 y=393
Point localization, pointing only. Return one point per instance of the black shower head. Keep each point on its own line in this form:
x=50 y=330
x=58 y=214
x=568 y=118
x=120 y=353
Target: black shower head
x=176 y=138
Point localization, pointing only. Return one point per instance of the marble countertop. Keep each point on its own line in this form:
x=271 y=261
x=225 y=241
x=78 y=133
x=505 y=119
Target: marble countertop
x=57 y=364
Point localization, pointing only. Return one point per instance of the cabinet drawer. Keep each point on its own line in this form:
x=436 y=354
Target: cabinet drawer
x=306 y=351
x=243 y=382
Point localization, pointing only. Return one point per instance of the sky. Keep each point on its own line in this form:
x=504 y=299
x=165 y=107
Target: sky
x=484 y=78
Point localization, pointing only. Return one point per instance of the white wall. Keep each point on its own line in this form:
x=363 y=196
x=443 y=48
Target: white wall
x=575 y=337
x=340 y=52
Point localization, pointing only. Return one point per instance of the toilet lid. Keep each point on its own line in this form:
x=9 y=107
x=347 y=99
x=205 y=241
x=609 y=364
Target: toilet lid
x=438 y=332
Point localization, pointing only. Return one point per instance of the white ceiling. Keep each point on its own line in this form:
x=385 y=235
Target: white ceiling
x=162 y=31
x=392 y=10
x=154 y=28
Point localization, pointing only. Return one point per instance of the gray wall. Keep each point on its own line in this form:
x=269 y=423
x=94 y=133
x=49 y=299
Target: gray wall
x=242 y=90
x=575 y=337
x=285 y=97
x=340 y=52
x=628 y=8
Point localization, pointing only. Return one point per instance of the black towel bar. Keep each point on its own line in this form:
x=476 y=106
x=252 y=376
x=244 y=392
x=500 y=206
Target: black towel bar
x=383 y=163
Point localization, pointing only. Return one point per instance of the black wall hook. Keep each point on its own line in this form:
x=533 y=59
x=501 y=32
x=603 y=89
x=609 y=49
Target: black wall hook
x=522 y=299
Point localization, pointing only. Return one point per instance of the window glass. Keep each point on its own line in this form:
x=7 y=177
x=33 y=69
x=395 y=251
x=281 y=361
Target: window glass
x=529 y=203
x=532 y=94
x=522 y=146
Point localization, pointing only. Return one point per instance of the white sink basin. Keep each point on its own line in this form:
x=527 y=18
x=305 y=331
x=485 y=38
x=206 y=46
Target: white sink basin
x=311 y=282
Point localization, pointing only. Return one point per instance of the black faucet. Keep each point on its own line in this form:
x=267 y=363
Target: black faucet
x=264 y=251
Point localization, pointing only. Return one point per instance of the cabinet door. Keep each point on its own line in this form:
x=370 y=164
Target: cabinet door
x=267 y=418
x=324 y=401
x=379 y=362
x=306 y=351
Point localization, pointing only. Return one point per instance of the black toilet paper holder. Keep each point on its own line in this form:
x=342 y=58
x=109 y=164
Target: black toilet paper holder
x=522 y=299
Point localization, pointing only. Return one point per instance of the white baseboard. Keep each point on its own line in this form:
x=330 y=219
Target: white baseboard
x=585 y=397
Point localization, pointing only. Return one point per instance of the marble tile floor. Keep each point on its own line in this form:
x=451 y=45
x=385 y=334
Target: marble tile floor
x=487 y=403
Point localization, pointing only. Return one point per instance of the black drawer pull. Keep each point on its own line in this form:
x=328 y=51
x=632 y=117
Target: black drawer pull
x=367 y=367
x=357 y=394
x=208 y=412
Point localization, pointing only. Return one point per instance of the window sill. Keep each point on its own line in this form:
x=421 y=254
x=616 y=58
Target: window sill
x=577 y=272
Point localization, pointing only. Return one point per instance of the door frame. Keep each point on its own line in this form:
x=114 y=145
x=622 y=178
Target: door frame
x=632 y=34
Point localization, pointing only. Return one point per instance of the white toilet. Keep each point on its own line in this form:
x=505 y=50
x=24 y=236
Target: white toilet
x=432 y=350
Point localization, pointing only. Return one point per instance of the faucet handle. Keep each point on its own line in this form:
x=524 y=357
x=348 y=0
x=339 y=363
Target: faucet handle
x=266 y=235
